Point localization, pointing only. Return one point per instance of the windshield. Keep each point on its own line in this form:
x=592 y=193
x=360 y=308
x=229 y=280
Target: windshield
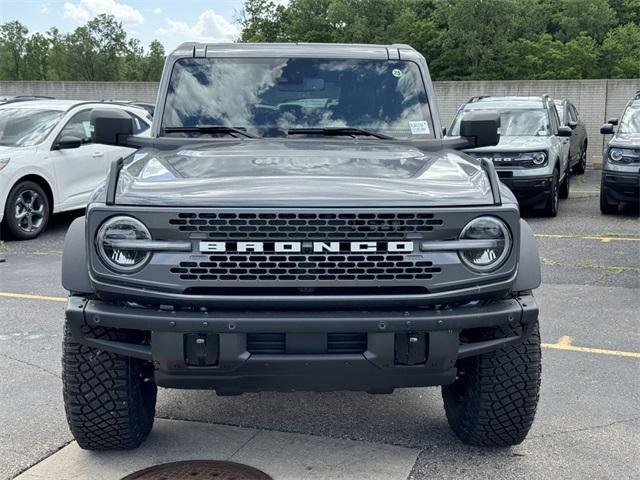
x=514 y=123
x=269 y=96
x=630 y=120
x=23 y=127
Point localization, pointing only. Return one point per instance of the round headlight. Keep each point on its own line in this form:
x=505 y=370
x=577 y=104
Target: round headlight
x=616 y=154
x=539 y=158
x=495 y=236
x=115 y=257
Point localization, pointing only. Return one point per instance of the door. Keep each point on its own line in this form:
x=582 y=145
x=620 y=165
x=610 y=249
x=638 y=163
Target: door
x=563 y=142
x=79 y=170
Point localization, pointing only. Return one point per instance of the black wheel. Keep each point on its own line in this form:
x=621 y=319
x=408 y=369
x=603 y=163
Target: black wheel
x=27 y=211
x=109 y=399
x=565 y=186
x=581 y=166
x=493 y=401
x=551 y=207
x=606 y=208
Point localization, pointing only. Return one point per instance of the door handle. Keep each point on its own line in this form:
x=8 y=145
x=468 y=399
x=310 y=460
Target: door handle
x=97 y=154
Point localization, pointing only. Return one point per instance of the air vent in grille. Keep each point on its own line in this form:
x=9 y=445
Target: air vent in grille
x=275 y=343
x=300 y=267
x=319 y=226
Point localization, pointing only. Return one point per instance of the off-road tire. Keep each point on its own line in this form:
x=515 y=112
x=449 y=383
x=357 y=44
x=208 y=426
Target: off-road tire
x=551 y=207
x=565 y=186
x=606 y=207
x=11 y=223
x=109 y=399
x=493 y=401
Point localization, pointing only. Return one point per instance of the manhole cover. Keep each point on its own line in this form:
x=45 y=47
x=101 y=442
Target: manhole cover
x=199 y=470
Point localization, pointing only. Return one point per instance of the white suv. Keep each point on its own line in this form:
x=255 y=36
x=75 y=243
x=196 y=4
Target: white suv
x=48 y=163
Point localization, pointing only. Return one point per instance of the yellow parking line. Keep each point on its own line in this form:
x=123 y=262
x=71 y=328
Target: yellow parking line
x=600 y=238
x=26 y=296
x=564 y=343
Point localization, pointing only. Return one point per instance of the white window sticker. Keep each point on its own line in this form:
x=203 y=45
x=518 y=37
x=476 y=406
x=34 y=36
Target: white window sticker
x=419 y=128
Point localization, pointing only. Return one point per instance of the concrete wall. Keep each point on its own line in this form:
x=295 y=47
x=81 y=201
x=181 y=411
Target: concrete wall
x=596 y=100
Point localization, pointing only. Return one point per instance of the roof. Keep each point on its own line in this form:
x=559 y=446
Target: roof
x=342 y=50
x=511 y=102
x=62 y=105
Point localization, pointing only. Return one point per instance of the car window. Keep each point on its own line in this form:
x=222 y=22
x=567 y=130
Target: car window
x=139 y=125
x=574 y=113
x=513 y=122
x=561 y=112
x=555 y=119
x=273 y=95
x=79 y=126
x=23 y=127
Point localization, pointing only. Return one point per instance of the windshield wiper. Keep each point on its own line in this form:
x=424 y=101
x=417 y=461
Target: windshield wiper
x=210 y=129
x=351 y=131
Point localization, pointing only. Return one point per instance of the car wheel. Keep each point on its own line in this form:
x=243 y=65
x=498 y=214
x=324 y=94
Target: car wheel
x=109 y=399
x=581 y=166
x=551 y=207
x=494 y=398
x=606 y=208
x=27 y=211
x=565 y=186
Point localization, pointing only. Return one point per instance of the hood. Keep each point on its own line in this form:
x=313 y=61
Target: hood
x=625 y=140
x=524 y=143
x=302 y=173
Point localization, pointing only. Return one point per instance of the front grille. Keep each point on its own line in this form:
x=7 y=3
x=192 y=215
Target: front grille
x=301 y=267
x=275 y=343
x=317 y=226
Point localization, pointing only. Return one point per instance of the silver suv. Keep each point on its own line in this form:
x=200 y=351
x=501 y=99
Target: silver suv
x=532 y=158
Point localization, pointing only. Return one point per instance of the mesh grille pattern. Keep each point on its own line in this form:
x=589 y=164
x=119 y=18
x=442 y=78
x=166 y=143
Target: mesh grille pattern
x=343 y=226
x=301 y=267
x=275 y=343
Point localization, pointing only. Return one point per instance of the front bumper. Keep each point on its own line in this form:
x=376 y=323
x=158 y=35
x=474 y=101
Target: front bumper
x=305 y=364
x=530 y=191
x=621 y=187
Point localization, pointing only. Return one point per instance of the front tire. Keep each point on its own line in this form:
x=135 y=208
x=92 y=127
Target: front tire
x=27 y=211
x=581 y=166
x=109 y=399
x=493 y=401
x=551 y=207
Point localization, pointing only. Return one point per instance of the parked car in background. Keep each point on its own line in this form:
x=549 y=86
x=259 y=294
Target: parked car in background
x=532 y=157
x=149 y=107
x=621 y=159
x=569 y=117
x=48 y=162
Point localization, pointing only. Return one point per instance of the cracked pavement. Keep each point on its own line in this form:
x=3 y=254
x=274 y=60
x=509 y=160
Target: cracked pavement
x=587 y=424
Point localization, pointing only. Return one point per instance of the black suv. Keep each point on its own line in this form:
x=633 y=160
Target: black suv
x=569 y=117
x=621 y=159
x=297 y=222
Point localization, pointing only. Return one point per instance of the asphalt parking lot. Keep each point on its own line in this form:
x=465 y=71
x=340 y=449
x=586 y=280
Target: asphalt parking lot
x=587 y=426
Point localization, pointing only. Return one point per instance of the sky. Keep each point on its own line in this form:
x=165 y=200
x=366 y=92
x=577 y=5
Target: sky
x=170 y=21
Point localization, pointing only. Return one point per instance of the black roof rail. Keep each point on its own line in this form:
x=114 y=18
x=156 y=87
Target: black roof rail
x=25 y=98
x=477 y=97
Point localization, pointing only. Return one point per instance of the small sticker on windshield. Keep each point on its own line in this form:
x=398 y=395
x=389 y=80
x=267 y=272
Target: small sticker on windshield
x=396 y=72
x=419 y=128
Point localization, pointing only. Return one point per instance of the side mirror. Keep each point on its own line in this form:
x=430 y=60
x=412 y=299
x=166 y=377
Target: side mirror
x=564 y=131
x=572 y=124
x=606 y=129
x=67 y=142
x=481 y=128
x=613 y=121
x=111 y=127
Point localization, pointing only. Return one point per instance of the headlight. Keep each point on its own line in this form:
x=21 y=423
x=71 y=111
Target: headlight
x=624 y=155
x=539 y=158
x=487 y=257
x=531 y=158
x=122 y=228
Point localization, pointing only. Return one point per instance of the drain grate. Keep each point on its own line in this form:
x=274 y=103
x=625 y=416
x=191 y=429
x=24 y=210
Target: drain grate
x=199 y=470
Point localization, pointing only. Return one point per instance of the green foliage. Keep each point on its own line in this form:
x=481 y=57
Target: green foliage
x=97 y=51
x=461 y=39
x=470 y=39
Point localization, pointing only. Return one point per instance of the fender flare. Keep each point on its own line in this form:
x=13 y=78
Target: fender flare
x=529 y=276
x=75 y=267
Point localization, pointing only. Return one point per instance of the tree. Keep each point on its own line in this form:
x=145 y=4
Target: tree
x=13 y=41
x=154 y=62
x=621 y=52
